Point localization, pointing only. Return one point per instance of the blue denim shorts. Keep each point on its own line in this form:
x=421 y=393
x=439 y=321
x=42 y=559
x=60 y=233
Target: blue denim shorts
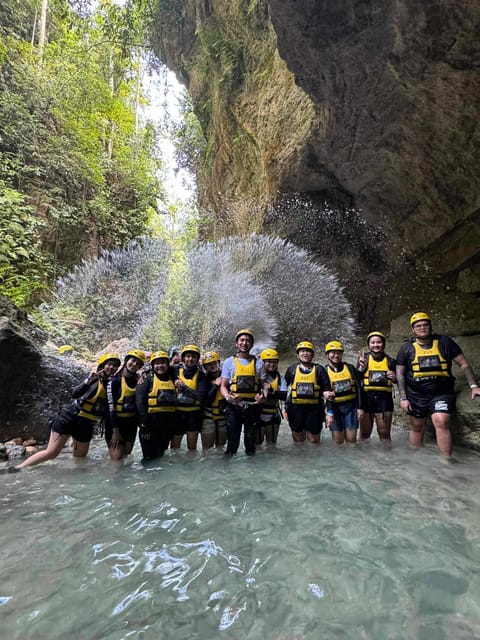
x=345 y=416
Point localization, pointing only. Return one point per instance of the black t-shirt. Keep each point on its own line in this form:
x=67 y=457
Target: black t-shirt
x=321 y=376
x=434 y=384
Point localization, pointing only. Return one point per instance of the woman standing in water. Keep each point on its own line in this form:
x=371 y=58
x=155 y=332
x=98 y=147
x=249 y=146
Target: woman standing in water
x=307 y=381
x=378 y=371
x=214 y=425
x=343 y=399
x=271 y=413
x=78 y=418
x=156 y=399
x=192 y=388
x=122 y=418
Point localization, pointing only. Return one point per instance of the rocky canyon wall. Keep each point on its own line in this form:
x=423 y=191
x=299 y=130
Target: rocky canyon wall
x=370 y=106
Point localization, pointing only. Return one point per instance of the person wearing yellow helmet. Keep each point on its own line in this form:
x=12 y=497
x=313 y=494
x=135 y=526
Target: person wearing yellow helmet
x=122 y=419
x=156 y=400
x=378 y=376
x=343 y=397
x=270 y=413
x=108 y=359
x=214 y=425
x=426 y=384
x=192 y=388
x=306 y=382
x=244 y=388
x=78 y=418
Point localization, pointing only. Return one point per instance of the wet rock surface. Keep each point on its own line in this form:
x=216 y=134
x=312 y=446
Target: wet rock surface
x=32 y=384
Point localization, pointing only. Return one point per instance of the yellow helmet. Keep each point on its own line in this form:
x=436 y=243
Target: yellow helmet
x=65 y=348
x=269 y=354
x=419 y=315
x=305 y=344
x=190 y=347
x=136 y=353
x=210 y=356
x=244 y=332
x=108 y=356
x=376 y=333
x=159 y=355
x=334 y=345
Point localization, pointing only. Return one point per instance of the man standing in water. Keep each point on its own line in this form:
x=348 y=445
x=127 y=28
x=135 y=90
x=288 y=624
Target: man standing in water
x=426 y=383
x=244 y=387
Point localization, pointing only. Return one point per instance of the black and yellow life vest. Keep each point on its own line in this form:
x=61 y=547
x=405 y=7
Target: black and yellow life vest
x=162 y=396
x=305 y=388
x=343 y=384
x=245 y=380
x=429 y=363
x=375 y=375
x=94 y=407
x=214 y=411
x=270 y=405
x=125 y=406
x=185 y=402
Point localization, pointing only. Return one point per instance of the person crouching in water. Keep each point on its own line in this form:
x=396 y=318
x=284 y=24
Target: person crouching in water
x=78 y=418
x=244 y=387
x=156 y=399
x=192 y=387
x=270 y=412
x=122 y=418
x=343 y=398
x=214 y=425
x=378 y=371
x=307 y=381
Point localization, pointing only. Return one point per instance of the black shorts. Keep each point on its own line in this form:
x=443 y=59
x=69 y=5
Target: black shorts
x=127 y=428
x=377 y=402
x=422 y=406
x=188 y=421
x=306 y=417
x=163 y=421
x=68 y=423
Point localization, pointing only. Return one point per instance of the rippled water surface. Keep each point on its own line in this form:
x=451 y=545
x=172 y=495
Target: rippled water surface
x=295 y=543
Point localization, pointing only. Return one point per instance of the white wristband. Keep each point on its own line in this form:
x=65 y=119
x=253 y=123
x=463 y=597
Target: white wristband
x=473 y=386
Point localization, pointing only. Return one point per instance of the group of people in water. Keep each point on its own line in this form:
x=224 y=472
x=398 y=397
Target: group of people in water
x=171 y=395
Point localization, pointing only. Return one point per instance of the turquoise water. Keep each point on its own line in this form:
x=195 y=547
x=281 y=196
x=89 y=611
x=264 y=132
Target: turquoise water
x=296 y=543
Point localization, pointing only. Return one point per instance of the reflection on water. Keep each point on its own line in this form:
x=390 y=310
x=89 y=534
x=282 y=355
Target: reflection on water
x=296 y=543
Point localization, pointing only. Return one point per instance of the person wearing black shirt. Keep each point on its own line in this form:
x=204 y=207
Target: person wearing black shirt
x=426 y=383
x=77 y=419
x=307 y=382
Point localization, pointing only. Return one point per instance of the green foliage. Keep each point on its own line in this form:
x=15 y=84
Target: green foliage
x=17 y=16
x=21 y=261
x=189 y=139
x=72 y=153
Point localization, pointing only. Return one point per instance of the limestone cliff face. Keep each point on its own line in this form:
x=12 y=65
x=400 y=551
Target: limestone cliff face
x=368 y=105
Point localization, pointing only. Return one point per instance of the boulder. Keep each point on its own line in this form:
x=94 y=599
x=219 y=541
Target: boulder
x=32 y=384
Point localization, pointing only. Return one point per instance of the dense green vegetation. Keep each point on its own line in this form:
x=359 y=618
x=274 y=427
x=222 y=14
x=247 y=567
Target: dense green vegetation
x=78 y=170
